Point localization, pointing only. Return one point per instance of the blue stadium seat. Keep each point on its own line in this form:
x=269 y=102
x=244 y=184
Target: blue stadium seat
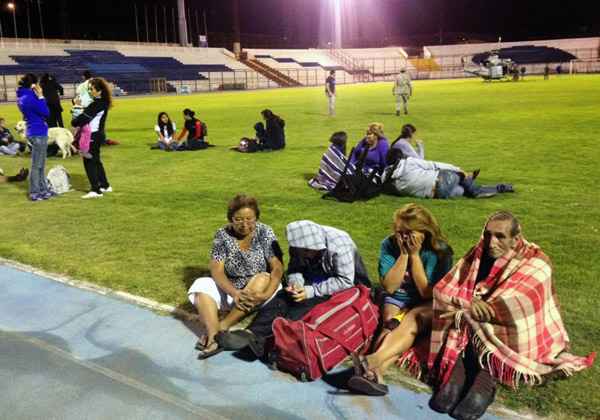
x=132 y=74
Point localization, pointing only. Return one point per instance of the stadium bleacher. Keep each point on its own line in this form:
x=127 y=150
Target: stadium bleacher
x=144 y=68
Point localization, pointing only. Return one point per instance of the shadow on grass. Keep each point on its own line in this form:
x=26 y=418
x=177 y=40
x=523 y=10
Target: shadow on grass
x=79 y=182
x=308 y=176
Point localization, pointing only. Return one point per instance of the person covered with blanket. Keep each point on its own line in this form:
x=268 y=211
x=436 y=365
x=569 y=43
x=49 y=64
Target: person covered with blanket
x=496 y=319
x=323 y=260
x=333 y=163
x=412 y=260
x=245 y=269
x=372 y=150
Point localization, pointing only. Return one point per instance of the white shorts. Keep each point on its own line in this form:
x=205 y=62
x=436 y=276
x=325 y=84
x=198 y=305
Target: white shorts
x=209 y=287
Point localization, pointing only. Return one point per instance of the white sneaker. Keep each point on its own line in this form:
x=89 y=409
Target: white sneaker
x=91 y=194
x=105 y=190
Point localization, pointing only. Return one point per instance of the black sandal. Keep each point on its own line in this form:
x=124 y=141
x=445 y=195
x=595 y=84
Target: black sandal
x=205 y=354
x=363 y=385
x=201 y=343
x=365 y=380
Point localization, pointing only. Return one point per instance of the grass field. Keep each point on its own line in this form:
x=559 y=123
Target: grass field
x=152 y=236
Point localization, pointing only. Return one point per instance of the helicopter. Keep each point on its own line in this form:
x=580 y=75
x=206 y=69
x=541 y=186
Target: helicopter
x=492 y=68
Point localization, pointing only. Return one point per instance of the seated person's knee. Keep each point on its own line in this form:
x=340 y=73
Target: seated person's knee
x=258 y=282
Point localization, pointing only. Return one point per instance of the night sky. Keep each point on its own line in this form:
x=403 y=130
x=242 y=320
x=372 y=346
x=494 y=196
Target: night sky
x=303 y=23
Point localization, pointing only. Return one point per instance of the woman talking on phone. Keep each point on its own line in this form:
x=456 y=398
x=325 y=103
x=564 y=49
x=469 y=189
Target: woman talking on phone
x=32 y=105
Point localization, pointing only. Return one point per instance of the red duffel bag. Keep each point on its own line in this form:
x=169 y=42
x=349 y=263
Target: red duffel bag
x=325 y=336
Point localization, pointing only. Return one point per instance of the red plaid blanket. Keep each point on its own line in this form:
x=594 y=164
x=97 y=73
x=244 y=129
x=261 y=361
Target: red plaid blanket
x=526 y=341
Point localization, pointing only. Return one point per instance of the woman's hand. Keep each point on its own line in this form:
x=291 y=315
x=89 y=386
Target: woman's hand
x=241 y=301
x=415 y=242
x=297 y=293
x=252 y=298
x=37 y=89
x=401 y=241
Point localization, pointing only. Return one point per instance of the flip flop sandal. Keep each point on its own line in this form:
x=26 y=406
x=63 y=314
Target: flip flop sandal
x=361 y=367
x=205 y=354
x=201 y=343
x=234 y=340
x=362 y=385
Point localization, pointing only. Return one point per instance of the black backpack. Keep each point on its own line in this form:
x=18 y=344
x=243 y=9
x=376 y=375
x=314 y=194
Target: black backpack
x=356 y=186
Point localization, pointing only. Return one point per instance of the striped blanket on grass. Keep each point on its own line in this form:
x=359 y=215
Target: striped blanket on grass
x=525 y=342
x=330 y=170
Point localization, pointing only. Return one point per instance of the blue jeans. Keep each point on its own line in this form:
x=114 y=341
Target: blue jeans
x=37 y=175
x=448 y=185
x=172 y=146
x=11 y=149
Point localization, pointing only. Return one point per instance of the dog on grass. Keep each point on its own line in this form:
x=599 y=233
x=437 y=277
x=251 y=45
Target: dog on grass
x=61 y=136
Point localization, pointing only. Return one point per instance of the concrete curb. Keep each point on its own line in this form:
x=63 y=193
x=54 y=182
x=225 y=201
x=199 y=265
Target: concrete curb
x=84 y=285
x=180 y=313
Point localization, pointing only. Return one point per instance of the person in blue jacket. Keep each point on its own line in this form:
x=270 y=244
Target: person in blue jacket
x=32 y=104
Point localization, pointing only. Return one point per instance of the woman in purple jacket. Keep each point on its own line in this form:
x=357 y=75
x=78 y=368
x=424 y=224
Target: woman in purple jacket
x=33 y=106
x=374 y=147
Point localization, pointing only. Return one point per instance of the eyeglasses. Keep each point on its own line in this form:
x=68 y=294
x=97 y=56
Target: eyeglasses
x=242 y=220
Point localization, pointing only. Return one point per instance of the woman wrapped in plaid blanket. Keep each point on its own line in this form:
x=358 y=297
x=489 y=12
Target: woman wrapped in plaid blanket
x=496 y=318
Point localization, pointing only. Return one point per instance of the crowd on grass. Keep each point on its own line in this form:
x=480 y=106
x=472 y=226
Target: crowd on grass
x=463 y=325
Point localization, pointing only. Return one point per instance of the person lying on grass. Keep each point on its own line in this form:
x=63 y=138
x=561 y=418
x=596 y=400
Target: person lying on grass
x=245 y=269
x=332 y=164
x=412 y=260
x=323 y=260
x=407 y=176
x=20 y=176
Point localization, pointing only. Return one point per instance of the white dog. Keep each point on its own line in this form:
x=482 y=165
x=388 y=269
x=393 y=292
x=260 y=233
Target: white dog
x=61 y=136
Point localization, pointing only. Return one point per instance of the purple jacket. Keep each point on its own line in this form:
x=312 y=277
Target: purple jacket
x=34 y=110
x=375 y=158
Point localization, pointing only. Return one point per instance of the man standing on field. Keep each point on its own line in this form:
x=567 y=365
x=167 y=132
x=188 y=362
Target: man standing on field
x=402 y=90
x=330 y=92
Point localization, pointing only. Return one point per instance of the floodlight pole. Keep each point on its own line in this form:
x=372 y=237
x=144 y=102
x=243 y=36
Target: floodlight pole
x=39 y=6
x=12 y=7
x=183 y=33
x=237 y=45
x=137 y=28
x=28 y=22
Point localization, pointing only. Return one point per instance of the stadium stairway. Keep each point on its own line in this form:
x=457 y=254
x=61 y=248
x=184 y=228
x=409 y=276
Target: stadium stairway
x=270 y=73
x=351 y=65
